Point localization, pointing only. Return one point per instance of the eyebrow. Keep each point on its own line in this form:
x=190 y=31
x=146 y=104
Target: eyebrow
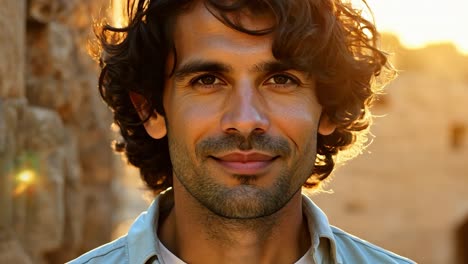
x=195 y=66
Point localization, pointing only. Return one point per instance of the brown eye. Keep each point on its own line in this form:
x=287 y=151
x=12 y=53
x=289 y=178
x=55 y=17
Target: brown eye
x=282 y=82
x=207 y=79
x=281 y=79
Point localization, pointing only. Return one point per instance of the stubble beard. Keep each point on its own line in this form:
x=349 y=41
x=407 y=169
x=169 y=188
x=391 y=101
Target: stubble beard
x=245 y=201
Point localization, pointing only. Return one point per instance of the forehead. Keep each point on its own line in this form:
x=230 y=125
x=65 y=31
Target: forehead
x=198 y=28
x=202 y=11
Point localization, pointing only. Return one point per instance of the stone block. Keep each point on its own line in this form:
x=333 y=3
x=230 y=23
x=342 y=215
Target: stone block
x=12 y=48
x=46 y=209
x=41 y=130
x=98 y=163
x=60 y=75
x=8 y=129
x=73 y=203
x=45 y=11
x=11 y=250
x=99 y=206
x=50 y=68
x=38 y=204
x=74 y=197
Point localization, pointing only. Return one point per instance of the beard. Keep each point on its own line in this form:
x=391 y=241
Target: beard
x=247 y=199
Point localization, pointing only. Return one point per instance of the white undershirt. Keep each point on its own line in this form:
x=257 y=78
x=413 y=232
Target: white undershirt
x=167 y=257
x=307 y=258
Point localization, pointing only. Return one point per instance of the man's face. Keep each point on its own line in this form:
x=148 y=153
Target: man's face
x=241 y=126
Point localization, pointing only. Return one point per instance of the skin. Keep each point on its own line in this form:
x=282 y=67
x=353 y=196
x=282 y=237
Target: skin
x=242 y=138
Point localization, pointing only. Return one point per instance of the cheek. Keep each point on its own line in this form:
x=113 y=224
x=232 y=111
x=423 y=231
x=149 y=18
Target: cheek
x=298 y=120
x=190 y=119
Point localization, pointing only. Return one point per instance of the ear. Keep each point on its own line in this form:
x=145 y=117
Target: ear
x=155 y=126
x=326 y=126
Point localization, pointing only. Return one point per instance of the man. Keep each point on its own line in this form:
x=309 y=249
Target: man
x=236 y=105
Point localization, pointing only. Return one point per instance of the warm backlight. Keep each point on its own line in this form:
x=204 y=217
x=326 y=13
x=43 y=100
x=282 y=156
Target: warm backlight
x=420 y=22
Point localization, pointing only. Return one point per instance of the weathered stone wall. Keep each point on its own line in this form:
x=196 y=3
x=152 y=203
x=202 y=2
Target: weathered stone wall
x=53 y=125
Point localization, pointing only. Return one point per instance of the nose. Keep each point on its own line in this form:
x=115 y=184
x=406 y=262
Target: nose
x=245 y=112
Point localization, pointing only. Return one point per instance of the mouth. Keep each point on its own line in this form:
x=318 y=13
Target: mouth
x=242 y=163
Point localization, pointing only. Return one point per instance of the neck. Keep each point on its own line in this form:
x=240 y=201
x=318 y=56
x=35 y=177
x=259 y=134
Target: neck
x=196 y=235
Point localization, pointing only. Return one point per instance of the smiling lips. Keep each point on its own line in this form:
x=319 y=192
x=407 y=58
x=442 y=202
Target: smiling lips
x=245 y=163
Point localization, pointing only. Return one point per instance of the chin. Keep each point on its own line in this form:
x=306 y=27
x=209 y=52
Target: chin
x=245 y=201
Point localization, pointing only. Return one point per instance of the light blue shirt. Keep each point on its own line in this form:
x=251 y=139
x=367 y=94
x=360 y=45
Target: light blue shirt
x=328 y=243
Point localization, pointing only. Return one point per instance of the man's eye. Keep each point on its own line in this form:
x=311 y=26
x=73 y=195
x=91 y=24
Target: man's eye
x=281 y=79
x=207 y=83
x=207 y=80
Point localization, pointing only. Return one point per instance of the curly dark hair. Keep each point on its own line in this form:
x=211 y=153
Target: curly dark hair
x=328 y=38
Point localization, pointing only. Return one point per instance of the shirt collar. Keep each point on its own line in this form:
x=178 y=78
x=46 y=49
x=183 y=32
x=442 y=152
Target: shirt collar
x=142 y=245
x=142 y=236
x=319 y=227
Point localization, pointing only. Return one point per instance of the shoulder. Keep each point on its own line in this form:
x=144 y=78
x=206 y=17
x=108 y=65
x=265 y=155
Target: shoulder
x=113 y=252
x=355 y=250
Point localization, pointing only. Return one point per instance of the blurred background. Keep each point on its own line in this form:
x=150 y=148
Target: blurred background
x=63 y=191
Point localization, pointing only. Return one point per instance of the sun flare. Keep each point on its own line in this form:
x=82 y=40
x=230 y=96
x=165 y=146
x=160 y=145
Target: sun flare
x=25 y=179
x=26 y=176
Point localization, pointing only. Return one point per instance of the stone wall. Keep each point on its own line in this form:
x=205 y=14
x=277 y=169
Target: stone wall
x=56 y=166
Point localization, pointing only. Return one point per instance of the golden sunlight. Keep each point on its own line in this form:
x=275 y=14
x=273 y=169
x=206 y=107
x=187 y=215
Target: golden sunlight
x=421 y=22
x=117 y=13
